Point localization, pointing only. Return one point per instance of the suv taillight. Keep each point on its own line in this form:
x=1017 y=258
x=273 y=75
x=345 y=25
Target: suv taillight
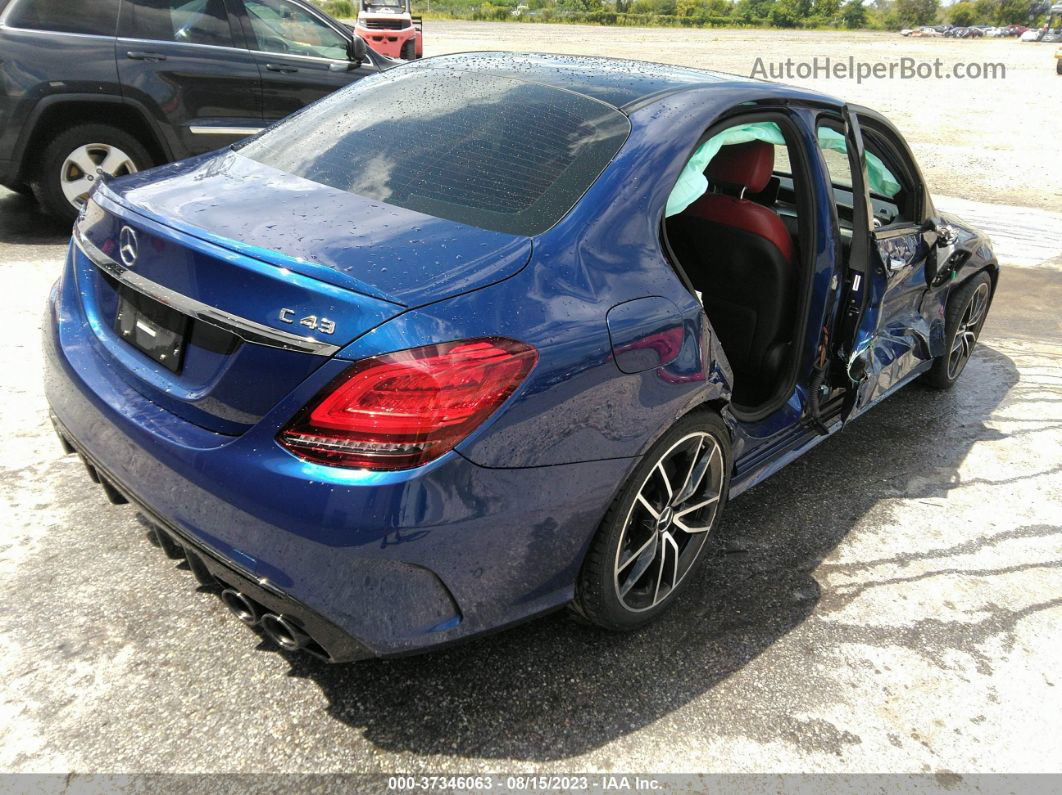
x=401 y=410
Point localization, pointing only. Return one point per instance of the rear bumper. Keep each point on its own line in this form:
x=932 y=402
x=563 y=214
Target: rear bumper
x=328 y=641
x=372 y=564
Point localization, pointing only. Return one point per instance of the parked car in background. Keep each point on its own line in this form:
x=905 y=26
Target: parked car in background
x=107 y=87
x=490 y=334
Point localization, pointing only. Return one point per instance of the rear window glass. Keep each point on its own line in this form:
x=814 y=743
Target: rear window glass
x=487 y=151
x=97 y=17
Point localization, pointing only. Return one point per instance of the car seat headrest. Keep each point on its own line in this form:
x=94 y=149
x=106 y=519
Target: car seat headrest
x=748 y=165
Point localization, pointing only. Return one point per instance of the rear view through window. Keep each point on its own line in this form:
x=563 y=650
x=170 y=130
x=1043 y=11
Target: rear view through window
x=483 y=150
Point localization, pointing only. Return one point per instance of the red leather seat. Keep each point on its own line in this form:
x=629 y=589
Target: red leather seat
x=741 y=257
x=744 y=169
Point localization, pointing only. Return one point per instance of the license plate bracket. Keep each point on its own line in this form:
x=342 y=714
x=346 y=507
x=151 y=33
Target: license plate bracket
x=156 y=330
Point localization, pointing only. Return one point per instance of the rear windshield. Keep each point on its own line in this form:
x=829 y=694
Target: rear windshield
x=483 y=150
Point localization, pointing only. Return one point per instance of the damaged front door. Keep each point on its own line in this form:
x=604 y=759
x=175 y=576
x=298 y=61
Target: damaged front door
x=888 y=337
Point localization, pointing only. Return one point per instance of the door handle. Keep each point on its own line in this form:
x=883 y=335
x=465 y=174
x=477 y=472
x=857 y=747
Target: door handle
x=139 y=55
x=276 y=67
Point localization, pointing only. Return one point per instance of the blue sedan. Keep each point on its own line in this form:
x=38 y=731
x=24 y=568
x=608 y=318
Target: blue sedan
x=488 y=335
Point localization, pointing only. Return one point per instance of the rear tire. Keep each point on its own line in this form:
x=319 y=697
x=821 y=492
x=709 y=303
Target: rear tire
x=66 y=166
x=653 y=536
x=963 y=319
x=409 y=50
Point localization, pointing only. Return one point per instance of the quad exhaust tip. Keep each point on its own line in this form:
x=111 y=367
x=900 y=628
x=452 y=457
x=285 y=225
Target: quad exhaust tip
x=278 y=628
x=283 y=632
x=241 y=607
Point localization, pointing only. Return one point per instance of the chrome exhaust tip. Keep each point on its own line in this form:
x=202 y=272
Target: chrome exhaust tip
x=241 y=607
x=283 y=632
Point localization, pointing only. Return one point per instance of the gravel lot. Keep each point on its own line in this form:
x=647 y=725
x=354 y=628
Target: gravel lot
x=890 y=602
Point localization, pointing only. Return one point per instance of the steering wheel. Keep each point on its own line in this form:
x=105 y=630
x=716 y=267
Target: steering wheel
x=276 y=44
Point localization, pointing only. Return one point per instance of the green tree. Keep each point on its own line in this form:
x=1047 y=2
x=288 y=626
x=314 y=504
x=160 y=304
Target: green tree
x=1012 y=12
x=786 y=13
x=826 y=10
x=986 y=11
x=752 y=10
x=962 y=14
x=854 y=14
x=912 y=13
x=716 y=8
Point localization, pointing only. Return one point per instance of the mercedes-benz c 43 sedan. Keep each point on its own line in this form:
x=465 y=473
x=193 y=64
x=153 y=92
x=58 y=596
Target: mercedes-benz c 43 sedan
x=487 y=335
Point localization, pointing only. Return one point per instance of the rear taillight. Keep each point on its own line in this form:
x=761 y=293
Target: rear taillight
x=401 y=410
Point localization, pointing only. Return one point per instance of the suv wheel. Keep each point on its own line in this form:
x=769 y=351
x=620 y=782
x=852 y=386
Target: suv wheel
x=73 y=161
x=20 y=188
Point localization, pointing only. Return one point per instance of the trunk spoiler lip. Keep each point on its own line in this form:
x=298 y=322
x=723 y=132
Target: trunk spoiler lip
x=245 y=329
x=107 y=197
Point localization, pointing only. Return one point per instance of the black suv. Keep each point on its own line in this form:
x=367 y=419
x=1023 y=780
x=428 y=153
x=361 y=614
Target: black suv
x=116 y=86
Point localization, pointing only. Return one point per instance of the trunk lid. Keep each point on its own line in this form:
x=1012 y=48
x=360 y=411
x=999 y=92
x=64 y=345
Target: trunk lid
x=251 y=287
x=380 y=250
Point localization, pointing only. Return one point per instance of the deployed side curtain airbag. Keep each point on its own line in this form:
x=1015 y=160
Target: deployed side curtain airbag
x=882 y=182
x=692 y=184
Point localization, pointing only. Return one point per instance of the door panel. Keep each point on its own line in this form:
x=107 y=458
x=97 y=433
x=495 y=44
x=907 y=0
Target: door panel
x=184 y=60
x=41 y=41
x=888 y=338
x=899 y=341
x=301 y=56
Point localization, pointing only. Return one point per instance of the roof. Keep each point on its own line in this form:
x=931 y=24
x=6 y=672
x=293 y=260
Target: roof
x=615 y=81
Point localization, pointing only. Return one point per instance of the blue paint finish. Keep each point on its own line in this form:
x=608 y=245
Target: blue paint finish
x=496 y=530
x=339 y=238
x=645 y=333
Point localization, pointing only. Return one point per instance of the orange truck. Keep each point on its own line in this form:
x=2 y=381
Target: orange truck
x=389 y=28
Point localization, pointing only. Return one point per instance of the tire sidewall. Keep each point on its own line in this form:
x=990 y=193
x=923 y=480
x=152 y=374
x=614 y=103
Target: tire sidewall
x=47 y=187
x=956 y=309
x=596 y=599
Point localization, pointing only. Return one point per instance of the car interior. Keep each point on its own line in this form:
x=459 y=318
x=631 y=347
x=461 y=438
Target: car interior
x=891 y=200
x=739 y=242
x=739 y=245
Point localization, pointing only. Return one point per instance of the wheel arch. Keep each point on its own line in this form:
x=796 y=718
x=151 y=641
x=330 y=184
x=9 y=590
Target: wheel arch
x=719 y=406
x=54 y=115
